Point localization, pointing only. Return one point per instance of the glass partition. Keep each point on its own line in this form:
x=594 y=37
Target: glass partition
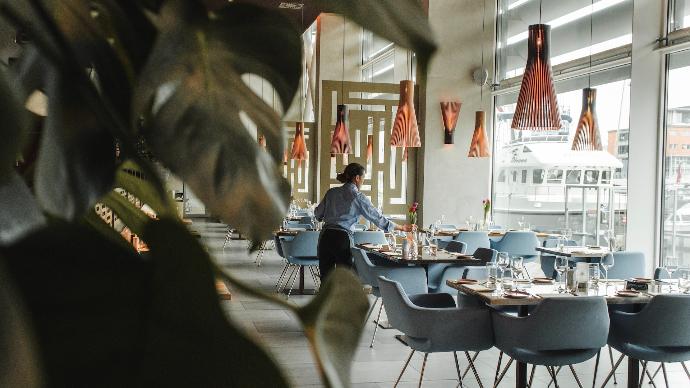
x=676 y=190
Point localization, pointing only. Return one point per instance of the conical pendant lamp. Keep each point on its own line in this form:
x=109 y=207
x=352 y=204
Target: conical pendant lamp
x=450 y=110
x=405 y=131
x=299 y=146
x=479 y=148
x=340 y=142
x=537 y=107
x=370 y=148
x=587 y=134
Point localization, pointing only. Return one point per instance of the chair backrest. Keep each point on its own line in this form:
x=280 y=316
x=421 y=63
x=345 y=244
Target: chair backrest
x=661 y=273
x=363 y=266
x=485 y=254
x=553 y=243
x=456 y=246
x=360 y=227
x=660 y=323
x=518 y=243
x=299 y=226
x=305 y=220
x=561 y=323
x=301 y=213
x=474 y=240
x=279 y=245
x=627 y=264
x=370 y=237
x=304 y=245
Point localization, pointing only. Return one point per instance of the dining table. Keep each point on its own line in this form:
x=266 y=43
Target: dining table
x=492 y=233
x=587 y=252
x=537 y=290
x=424 y=259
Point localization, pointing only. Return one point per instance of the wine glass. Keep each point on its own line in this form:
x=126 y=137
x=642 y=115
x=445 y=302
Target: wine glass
x=443 y=219
x=607 y=262
x=518 y=266
x=503 y=262
x=567 y=235
x=561 y=266
x=671 y=266
x=521 y=223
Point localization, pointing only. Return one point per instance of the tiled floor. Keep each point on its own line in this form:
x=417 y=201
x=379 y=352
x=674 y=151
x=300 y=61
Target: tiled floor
x=280 y=333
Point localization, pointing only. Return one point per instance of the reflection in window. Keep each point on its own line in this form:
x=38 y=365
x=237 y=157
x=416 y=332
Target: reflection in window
x=502 y=176
x=538 y=176
x=524 y=176
x=573 y=177
x=555 y=176
x=591 y=177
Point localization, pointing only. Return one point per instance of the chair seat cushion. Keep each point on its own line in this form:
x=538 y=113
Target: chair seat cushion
x=653 y=353
x=304 y=261
x=551 y=357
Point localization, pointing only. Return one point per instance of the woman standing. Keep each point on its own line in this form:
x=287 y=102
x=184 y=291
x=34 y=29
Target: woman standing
x=340 y=209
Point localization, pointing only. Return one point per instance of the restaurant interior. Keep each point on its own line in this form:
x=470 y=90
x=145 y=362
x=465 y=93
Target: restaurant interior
x=166 y=165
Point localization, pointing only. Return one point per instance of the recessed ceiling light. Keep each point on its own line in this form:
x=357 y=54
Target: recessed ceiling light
x=290 y=5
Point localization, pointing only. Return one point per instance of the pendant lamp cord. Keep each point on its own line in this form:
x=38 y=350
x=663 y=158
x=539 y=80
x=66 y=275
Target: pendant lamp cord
x=303 y=92
x=481 y=87
x=540 y=2
x=591 y=43
x=342 y=78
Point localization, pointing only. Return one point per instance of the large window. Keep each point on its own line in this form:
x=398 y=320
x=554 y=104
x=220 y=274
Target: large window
x=611 y=28
x=676 y=197
x=679 y=15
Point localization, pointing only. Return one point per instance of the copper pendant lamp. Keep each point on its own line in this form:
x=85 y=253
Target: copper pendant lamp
x=340 y=142
x=299 y=146
x=450 y=110
x=537 y=107
x=587 y=134
x=405 y=131
x=370 y=148
x=479 y=147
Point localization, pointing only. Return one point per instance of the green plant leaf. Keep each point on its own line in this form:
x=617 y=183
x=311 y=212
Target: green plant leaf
x=192 y=89
x=19 y=213
x=76 y=161
x=215 y=353
x=13 y=128
x=333 y=322
x=401 y=21
x=145 y=188
x=95 y=222
x=18 y=357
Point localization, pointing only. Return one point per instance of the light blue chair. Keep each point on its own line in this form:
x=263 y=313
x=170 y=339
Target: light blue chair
x=548 y=261
x=302 y=213
x=413 y=280
x=437 y=283
x=295 y=225
x=299 y=252
x=519 y=244
x=559 y=331
x=370 y=237
x=360 y=227
x=278 y=242
x=626 y=264
x=474 y=240
x=660 y=273
x=435 y=272
x=432 y=323
x=658 y=333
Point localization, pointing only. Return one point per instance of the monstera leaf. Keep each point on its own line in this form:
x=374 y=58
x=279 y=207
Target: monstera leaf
x=19 y=213
x=192 y=93
x=13 y=128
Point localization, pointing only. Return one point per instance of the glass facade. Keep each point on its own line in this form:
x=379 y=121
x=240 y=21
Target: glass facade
x=676 y=162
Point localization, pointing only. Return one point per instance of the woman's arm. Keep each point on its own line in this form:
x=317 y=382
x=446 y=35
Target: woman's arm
x=368 y=211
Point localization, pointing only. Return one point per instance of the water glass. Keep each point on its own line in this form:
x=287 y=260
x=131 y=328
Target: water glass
x=517 y=266
x=561 y=266
x=594 y=274
x=392 y=244
x=491 y=274
x=507 y=282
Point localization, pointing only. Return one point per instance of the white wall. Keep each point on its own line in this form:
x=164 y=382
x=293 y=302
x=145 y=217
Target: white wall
x=453 y=184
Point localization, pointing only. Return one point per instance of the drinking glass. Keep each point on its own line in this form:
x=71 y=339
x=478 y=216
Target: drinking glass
x=567 y=235
x=684 y=281
x=594 y=274
x=392 y=244
x=518 y=266
x=503 y=262
x=561 y=266
x=607 y=262
x=443 y=218
x=671 y=266
x=521 y=223
x=491 y=275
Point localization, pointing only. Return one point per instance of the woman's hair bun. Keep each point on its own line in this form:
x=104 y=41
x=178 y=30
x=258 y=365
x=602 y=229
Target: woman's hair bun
x=341 y=177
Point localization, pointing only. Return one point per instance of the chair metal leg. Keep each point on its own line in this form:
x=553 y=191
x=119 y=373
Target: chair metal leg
x=503 y=373
x=474 y=370
x=476 y=354
x=596 y=369
x=457 y=367
x=293 y=281
x=280 y=278
x=553 y=376
x=376 y=326
x=613 y=371
x=282 y=286
x=663 y=370
x=371 y=309
x=403 y=369
x=421 y=375
x=577 y=379
x=531 y=376
x=557 y=371
x=685 y=368
x=498 y=369
x=644 y=369
x=651 y=378
x=611 y=358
